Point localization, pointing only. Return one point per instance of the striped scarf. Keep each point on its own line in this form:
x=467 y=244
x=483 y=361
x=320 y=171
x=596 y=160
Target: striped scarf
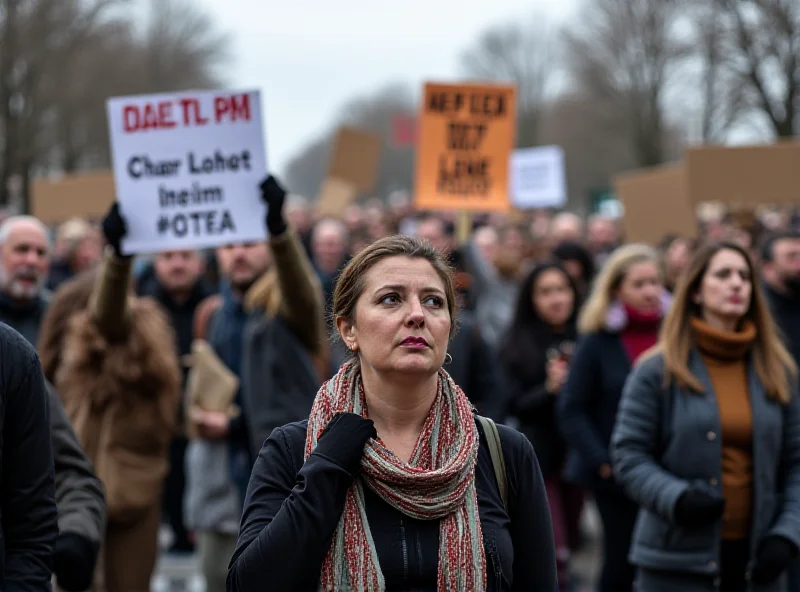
x=438 y=483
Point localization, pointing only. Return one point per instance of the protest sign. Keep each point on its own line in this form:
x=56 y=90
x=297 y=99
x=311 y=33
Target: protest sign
x=356 y=158
x=466 y=136
x=187 y=168
x=538 y=178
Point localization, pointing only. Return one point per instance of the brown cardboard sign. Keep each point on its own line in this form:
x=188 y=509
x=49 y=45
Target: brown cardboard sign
x=656 y=203
x=356 y=158
x=335 y=197
x=745 y=176
x=84 y=195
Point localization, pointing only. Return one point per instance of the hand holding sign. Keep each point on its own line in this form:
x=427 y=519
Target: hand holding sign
x=114 y=229
x=274 y=195
x=187 y=169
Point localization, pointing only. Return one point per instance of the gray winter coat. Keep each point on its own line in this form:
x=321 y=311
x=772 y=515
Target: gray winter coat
x=667 y=439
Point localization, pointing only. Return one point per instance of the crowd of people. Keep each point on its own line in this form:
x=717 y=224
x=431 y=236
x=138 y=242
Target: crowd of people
x=332 y=431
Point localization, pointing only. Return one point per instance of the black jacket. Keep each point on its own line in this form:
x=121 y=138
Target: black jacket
x=80 y=494
x=473 y=366
x=534 y=408
x=587 y=407
x=28 y=514
x=293 y=507
x=24 y=317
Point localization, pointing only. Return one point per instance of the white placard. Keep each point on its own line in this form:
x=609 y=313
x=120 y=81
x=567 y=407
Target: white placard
x=538 y=178
x=187 y=168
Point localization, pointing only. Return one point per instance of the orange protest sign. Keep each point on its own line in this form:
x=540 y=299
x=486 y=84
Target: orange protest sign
x=466 y=136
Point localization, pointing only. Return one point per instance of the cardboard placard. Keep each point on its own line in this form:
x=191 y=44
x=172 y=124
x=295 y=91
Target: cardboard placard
x=84 y=195
x=187 y=168
x=356 y=158
x=466 y=137
x=745 y=176
x=656 y=203
x=335 y=196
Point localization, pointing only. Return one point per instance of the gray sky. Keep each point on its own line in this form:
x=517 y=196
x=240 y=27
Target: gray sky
x=308 y=57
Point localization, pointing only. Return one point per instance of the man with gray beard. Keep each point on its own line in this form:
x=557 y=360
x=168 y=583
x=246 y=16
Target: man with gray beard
x=24 y=264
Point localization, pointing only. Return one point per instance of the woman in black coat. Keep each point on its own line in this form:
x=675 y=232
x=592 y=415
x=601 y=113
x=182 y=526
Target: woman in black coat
x=390 y=485
x=535 y=361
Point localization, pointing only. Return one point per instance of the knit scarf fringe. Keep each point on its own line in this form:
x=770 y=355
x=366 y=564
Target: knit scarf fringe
x=438 y=483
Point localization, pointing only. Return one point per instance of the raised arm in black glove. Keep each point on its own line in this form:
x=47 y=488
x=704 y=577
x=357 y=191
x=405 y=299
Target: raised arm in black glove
x=274 y=195
x=774 y=555
x=698 y=508
x=344 y=438
x=114 y=229
x=74 y=560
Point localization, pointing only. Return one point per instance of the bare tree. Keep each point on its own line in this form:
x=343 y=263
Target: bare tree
x=520 y=54
x=761 y=40
x=39 y=38
x=626 y=55
x=306 y=170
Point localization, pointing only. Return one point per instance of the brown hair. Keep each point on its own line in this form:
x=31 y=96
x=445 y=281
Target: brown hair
x=71 y=297
x=351 y=281
x=773 y=363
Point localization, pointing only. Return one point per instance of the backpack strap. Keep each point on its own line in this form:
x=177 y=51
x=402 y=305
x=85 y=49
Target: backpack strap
x=496 y=452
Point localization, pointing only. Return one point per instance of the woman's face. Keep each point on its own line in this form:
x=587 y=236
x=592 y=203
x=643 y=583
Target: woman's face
x=641 y=287
x=726 y=287
x=677 y=256
x=402 y=323
x=553 y=299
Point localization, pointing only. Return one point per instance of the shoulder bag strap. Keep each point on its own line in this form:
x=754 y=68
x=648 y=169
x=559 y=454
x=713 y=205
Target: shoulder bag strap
x=496 y=452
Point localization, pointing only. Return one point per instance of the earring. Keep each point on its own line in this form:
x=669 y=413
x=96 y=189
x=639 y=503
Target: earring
x=448 y=359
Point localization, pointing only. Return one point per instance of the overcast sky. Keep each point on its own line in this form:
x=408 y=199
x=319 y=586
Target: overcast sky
x=308 y=57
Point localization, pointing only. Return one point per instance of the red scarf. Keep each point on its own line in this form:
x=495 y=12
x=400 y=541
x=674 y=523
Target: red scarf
x=640 y=333
x=438 y=483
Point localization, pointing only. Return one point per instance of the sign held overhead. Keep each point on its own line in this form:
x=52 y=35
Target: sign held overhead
x=187 y=168
x=538 y=178
x=466 y=137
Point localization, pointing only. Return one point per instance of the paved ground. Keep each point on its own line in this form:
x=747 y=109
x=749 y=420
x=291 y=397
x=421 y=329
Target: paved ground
x=179 y=574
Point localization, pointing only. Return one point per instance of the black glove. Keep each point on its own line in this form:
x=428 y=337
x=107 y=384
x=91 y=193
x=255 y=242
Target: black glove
x=344 y=438
x=274 y=195
x=698 y=508
x=74 y=560
x=774 y=555
x=114 y=229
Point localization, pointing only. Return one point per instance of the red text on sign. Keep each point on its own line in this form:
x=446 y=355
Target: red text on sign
x=150 y=116
x=232 y=108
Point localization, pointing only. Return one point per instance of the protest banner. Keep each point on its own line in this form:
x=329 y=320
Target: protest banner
x=538 y=178
x=356 y=158
x=84 y=195
x=187 y=168
x=466 y=136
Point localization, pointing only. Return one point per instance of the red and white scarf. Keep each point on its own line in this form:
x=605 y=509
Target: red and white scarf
x=438 y=483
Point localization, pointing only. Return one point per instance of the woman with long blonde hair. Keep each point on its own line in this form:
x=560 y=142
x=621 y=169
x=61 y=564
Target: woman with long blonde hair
x=707 y=439
x=619 y=321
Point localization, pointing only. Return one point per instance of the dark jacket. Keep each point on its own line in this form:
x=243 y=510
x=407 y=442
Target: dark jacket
x=534 y=409
x=25 y=317
x=28 y=514
x=79 y=493
x=786 y=310
x=473 y=367
x=587 y=408
x=293 y=507
x=667 y=439
x=181 y=315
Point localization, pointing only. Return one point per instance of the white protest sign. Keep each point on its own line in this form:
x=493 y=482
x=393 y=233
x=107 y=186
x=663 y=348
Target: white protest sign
x=187 y=169
x=537 y=177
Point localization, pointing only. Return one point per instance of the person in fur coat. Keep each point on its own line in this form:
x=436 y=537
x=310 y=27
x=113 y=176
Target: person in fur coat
x=111 y=357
